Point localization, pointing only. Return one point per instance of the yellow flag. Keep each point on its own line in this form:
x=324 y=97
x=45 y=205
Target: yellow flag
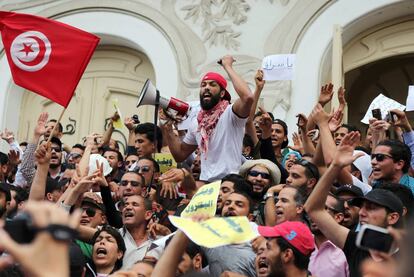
x=118 y=124
x=204 y=201
x=216 y=231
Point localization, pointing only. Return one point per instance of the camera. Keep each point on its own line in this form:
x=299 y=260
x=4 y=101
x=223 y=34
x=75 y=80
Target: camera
x=21 y=228
x=376 y=113
x=135 y=118
x=375 y=238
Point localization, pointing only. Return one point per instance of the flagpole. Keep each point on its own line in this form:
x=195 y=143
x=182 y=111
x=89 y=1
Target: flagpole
x=56 y=125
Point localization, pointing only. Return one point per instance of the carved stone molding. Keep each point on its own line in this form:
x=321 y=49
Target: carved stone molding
x=217 y=19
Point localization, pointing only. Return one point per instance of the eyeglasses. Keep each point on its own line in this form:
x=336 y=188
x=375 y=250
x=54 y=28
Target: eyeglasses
x=380 y=157
x=310 y=166
x=255 y=173
x=129 y=162
x=56 y=149
x=125 y=183
x=90 y=212
x=144 y=169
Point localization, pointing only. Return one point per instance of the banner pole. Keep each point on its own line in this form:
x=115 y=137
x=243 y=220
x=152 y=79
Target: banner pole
x=56 y=125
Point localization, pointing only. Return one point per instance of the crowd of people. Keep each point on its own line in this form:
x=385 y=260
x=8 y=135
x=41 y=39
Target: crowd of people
x=90 y=210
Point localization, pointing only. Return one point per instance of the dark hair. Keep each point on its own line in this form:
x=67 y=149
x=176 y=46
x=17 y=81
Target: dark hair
x=300 y=194
x=60 y=126
x=248 y=197
x=311 y=170
x=21 y=194
x=339 y=206
x=363 y=149
x=80 y=146
x=154 y=163
x=259 y=113
x=148 y=130
x=139 y=174
x=24 y=143
x=301 y=261
x=118 y=154
x=232 y=177
x=119 y=241
x=399 y=151
x=247 y=141
x=404 y=193
x=57 y=141
x=350 y=128
x=4 y=159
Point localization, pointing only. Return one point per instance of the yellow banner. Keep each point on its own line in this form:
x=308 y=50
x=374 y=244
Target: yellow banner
x=216 y=231
x=166 y=161
x=204 y=201
x=118 y=124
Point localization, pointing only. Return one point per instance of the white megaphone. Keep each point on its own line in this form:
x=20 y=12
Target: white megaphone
x=173 y=107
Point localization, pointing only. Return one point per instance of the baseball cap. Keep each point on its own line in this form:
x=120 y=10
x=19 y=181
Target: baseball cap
x=90 y=202
x=294 y=232
x=381 y=197
x=214 y=76
x=351 y=189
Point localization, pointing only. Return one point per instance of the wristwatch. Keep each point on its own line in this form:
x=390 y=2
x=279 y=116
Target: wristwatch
x=267 y=195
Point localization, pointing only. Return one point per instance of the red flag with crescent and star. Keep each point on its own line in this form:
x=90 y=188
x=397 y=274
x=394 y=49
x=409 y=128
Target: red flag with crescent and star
x=46 y=56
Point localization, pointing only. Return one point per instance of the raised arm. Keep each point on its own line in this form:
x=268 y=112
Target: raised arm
x=243 y=105
x=38 y=188
x=315 y=205
x=179 y=149
x=250 y=128
x=168 y=263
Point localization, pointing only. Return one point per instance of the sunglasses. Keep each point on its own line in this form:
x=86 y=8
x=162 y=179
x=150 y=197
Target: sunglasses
x=144 y=169
x=129 y=162
x=255 y=173
x=56 y=149
x=125 y=183
x=312 y=169
x=74 y=155
x=90 y=212
x=380 y=157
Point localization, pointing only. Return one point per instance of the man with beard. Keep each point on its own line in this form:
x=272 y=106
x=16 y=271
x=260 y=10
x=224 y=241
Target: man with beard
x=288 y=249
x=303 y=174
x=262 y=174
x=328 y=259
x=5 y=199
x=229 y=184
x=55 y=166
x=18 y=197
x=220 y=125
x=351 y=216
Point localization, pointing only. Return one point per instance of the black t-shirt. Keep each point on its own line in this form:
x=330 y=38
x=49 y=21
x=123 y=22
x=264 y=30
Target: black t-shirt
x=354 y=255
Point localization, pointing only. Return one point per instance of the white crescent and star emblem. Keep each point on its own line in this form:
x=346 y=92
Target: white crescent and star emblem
x=30 y=51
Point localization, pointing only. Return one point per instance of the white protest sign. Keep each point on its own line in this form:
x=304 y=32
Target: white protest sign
x=383 y=103
x=278 y=67
x=410 y=99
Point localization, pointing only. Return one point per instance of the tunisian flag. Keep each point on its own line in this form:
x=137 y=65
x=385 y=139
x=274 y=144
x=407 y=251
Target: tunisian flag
x=46 y=56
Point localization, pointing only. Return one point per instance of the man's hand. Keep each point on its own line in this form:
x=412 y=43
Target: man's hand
x=265 y=123
x=99 y=176
x=7 y=135
x=156 y=229
x=168 y=190
x=319 y=115
x=336 y=120
x=227 y=61
x=402 y=120
x=129 y=123
x=297 y=143
x=344 y=155
x=14 y=158
x=173 y=175
x=45 y=256
x=258 y=78
x=302 y=121
x=40 y=128
x=326 y=94
x=341 y=98
x=43 y=153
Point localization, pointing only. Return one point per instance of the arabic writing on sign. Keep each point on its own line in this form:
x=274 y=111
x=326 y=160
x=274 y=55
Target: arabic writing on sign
x=279 y=67
x=204 y=201
x=166 y=161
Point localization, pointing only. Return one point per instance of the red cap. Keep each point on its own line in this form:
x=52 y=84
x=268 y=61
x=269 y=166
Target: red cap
x=214 y=76
x=294 y=232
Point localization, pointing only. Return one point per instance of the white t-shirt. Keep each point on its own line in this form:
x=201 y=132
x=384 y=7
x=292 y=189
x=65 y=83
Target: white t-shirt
x=224 y=148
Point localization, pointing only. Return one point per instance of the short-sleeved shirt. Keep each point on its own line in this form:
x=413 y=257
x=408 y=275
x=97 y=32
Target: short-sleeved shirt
x=354 y=255
x=224 y=148
x=238 y=258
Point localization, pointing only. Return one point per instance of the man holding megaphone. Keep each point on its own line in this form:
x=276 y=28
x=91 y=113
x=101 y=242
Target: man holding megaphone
x=219 y=127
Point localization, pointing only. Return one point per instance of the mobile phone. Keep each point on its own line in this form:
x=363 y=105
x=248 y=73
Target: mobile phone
x=372 y=237
x=391 y=117
x=376 y=113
